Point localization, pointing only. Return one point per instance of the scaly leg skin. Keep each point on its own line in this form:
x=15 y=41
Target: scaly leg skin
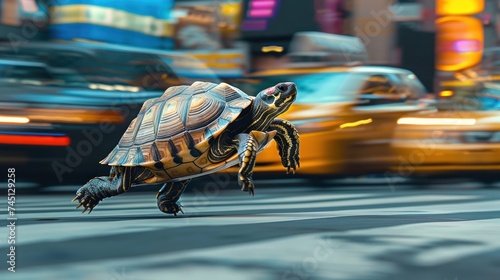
x=287 y=139
x=168 y=196
x=247 y=152
x=99 y=188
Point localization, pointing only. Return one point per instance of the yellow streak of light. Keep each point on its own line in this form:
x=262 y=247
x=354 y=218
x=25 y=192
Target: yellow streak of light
x=358 y=123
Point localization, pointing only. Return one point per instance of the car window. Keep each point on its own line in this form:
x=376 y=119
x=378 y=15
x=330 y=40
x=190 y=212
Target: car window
x=377 y=84
x=411 y=85
x=321 y=87
x=378 y=89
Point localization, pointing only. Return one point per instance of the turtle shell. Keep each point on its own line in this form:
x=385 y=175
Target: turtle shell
x=176 y=128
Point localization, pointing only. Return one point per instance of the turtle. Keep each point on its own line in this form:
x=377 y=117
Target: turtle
x=193 y=130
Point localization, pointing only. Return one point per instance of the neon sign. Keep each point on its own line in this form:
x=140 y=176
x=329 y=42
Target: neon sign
x=258 y=14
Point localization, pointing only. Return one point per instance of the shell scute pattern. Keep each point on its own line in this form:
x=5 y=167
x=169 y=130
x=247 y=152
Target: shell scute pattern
x=170 y=123
x=173 y=132
x=147 y=132
x=128 y=137
x=203 y=110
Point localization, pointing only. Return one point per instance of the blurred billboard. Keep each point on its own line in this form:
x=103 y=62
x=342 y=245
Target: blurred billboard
x=122 y=22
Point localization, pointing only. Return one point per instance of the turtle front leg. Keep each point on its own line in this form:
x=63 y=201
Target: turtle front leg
x=168 y=196
x=248 y=145
x=288 y=142
x=99 y=188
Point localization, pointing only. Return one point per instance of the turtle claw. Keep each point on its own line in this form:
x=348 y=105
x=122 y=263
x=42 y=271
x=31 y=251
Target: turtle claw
x=292 y=164
x=85 y=199
x=247 y=185
x=79 y=205
x=294 y=170
x=170 y=208
x=178 y=209
x=76 y=197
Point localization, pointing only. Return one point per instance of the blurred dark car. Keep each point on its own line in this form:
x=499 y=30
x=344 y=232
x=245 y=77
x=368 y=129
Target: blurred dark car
x=63 y=107
x=345 y=117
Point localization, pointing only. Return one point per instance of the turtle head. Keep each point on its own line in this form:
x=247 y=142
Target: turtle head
x=279 y=97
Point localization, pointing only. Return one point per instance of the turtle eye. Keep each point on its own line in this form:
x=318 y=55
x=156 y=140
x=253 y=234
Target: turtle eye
x=282 y=87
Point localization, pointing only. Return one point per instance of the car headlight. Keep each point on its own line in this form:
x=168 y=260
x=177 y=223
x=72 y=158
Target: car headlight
x=436 y=121
x=13 y=119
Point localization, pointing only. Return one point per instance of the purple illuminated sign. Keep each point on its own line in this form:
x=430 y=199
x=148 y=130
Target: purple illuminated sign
x=467 y=46
x=258 y=13
x=462 y=46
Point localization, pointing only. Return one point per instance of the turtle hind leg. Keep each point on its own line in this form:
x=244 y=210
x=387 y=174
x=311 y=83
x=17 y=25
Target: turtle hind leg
x=168 y=196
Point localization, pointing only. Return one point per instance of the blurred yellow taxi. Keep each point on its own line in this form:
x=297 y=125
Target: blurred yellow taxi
x=461 y=138
x=345 y=116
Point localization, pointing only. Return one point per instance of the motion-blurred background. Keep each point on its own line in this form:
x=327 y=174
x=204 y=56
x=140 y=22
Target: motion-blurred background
x=394 y=89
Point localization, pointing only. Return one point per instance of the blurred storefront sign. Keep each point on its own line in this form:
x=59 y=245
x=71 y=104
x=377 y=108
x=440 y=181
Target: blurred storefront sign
x=276 y=18
x=124 y=22
x=459 y=7
x=459 y=37
x=259 y=13
x=274 y=22
x=211 y=26
x=225 y=63
x=459 y=42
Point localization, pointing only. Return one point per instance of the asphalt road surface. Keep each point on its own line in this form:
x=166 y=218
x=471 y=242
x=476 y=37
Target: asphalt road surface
x=287 y=231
